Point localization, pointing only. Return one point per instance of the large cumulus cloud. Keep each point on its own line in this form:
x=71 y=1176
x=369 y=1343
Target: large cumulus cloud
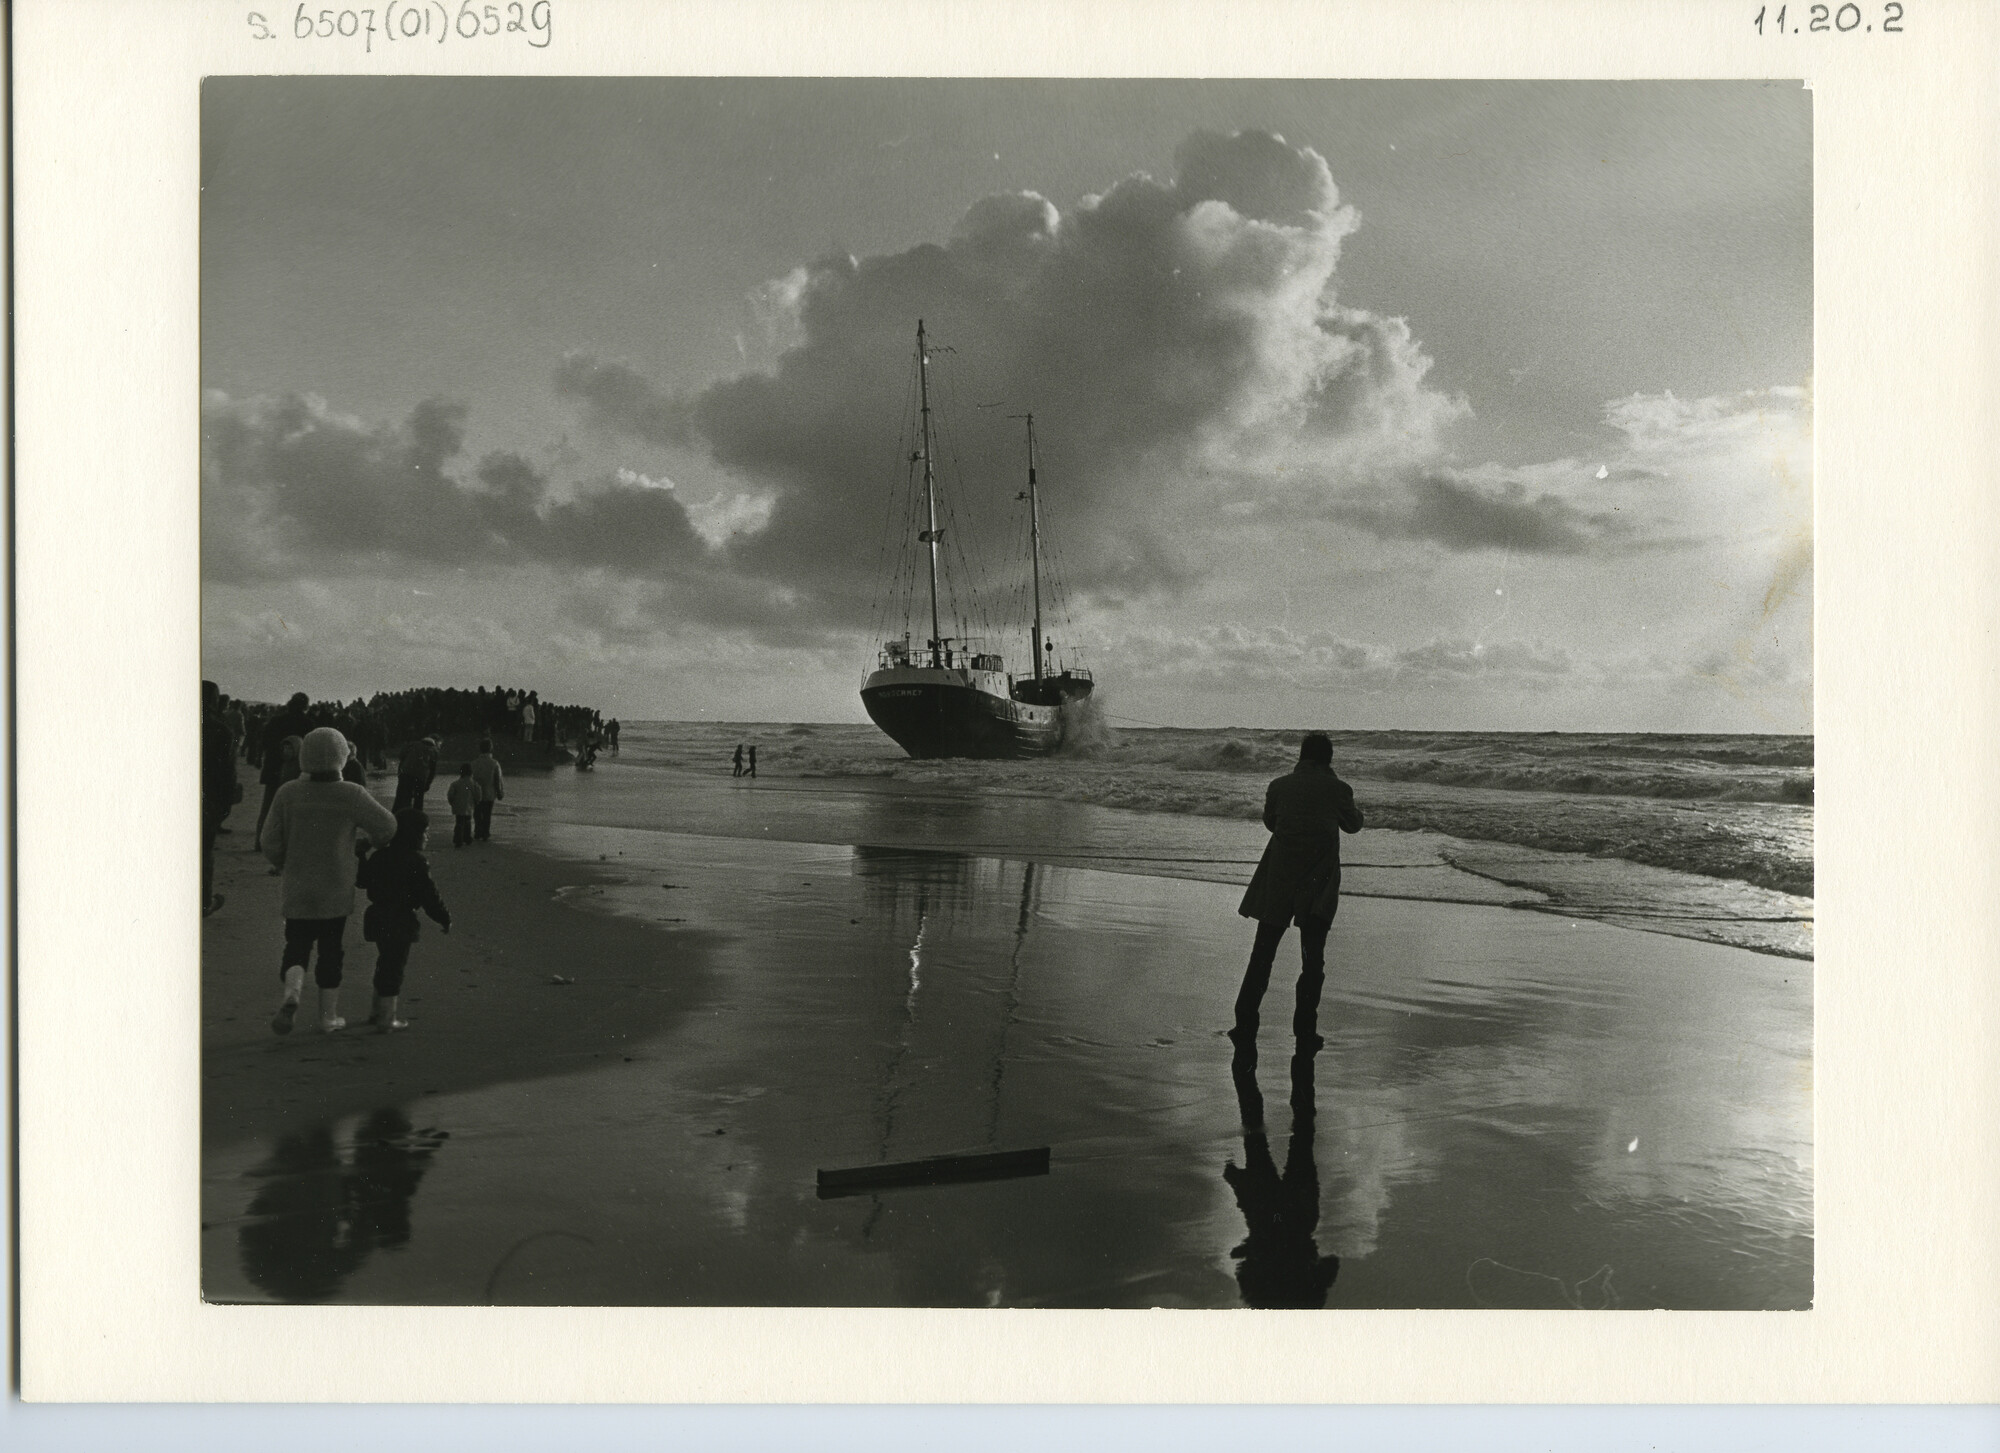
x=1167 y=335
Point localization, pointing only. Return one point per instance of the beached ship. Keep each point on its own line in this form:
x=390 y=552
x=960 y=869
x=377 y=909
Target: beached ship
x=952 y=696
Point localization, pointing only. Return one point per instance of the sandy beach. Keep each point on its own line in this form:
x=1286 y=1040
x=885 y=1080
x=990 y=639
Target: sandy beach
x=489 y=981
x=1512 y=1109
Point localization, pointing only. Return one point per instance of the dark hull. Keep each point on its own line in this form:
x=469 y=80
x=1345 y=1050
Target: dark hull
x=935 y=719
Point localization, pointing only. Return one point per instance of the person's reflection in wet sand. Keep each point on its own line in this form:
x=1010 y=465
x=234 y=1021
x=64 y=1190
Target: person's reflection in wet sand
x=1278 y=1264
x=317 y=1217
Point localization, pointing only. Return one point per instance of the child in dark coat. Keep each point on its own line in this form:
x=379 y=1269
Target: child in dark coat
x=398 y=882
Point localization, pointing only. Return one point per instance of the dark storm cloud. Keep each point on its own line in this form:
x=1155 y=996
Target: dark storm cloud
x=1460 y=513
x=615 y=398
x=290 y=487
x=1164 y=334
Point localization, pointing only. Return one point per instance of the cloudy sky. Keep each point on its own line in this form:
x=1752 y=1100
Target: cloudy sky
x=1358 y=404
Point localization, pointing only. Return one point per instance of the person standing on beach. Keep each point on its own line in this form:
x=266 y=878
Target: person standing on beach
x=528 y=718
x=282 y=762
x=492 y=785
x=398 y=883
x=611 y=734
x=415 y=772
x=460 y=796
x=737 y=768
x=291 y=722
x=232 y=718
x=366 y=740
x=219 y=789
x=1297 y=880
x=753 y=759
x=310 y=840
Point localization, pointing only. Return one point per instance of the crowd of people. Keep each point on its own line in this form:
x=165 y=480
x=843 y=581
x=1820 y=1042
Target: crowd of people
x=387 y=718
x=435 y=711
x=327 y=836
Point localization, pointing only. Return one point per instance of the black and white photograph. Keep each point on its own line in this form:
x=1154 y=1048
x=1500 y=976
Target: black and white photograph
x=1007 y=693
x=1034 y=723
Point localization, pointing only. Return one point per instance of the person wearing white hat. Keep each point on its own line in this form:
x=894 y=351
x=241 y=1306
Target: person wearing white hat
x=309 y=838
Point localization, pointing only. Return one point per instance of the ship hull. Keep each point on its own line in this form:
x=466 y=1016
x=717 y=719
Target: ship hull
x=941 y=712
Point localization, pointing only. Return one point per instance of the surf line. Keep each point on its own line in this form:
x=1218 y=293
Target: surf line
x=975 y=850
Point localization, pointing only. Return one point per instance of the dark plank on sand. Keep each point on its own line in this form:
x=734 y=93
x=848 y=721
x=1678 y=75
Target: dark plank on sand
x=936 y=1170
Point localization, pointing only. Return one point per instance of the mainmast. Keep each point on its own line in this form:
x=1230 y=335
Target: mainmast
x=930 y=536
x=1035 y=546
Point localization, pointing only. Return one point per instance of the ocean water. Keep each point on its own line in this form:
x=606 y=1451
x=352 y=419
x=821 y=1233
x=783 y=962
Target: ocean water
x=1706 y=837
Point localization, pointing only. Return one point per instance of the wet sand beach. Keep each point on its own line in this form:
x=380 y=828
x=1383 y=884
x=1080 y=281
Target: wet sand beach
x=1512 y=1108
x=481 y=999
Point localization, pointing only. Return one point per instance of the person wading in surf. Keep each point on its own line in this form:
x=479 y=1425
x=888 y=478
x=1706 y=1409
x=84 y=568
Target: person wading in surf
x=1297 y=880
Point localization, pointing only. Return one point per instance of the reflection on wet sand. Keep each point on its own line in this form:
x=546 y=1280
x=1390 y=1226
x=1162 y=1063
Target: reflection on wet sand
x=1518 y=1110
x=937 y=880
x=935 y=1058
x=319 y=1215
x=1279 y=1263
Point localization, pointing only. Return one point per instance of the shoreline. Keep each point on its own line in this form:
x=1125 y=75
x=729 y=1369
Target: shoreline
x=483 y=1006
x=946 y=816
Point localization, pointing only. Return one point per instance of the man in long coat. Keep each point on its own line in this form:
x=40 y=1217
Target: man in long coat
x=1298 y=880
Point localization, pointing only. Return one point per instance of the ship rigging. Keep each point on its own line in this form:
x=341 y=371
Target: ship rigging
x=957 y=699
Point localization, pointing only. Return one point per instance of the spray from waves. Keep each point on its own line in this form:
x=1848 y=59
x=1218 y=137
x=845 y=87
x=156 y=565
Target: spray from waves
x=1086 y=730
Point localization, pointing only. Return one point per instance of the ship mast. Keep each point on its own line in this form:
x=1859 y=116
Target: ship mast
x=930 y=536
x=1035 y=546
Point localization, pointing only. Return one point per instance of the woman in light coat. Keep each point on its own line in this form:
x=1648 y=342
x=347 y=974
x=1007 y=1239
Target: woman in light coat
x=309 y=838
